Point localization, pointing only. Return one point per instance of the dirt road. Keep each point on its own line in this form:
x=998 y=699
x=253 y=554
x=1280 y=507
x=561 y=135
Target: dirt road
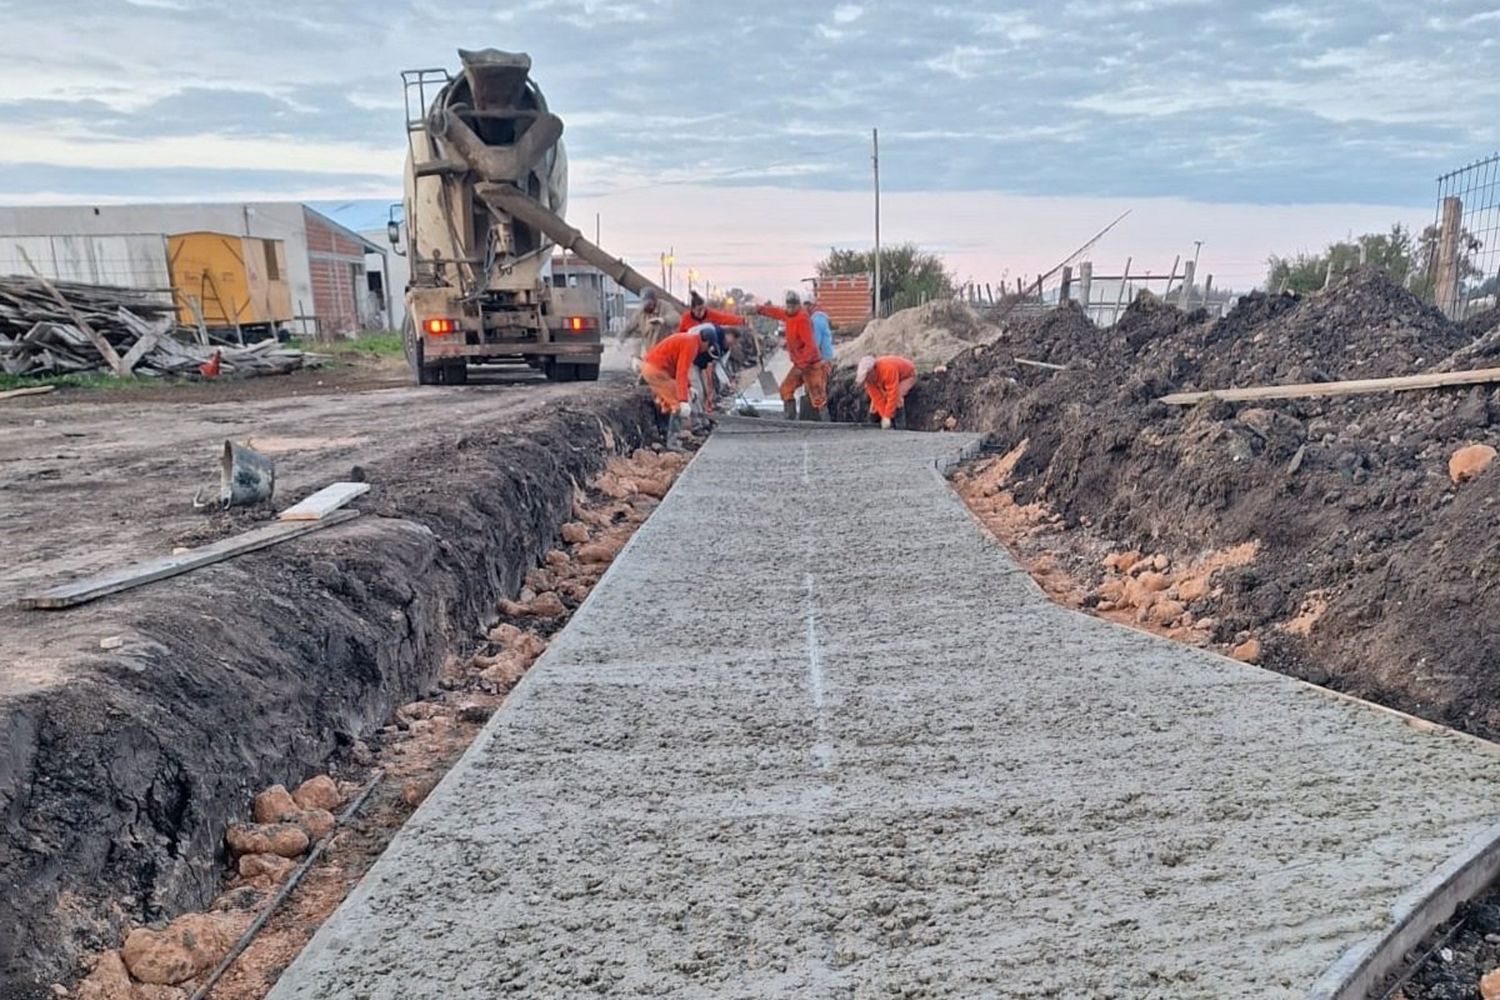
x=94 y=480
x=136 y=728
x=876 y=760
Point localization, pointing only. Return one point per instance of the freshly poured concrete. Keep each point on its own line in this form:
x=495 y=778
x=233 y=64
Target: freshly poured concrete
x=874 y=761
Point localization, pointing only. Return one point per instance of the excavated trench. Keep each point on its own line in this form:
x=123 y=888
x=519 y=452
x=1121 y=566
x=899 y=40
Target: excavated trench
x=117 y=786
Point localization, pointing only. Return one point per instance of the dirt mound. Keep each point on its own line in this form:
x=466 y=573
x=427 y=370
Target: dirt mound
x=1365 y=326
x=1149 y=320
x=1348 y=498
x=1481 y=323
x=929 y=334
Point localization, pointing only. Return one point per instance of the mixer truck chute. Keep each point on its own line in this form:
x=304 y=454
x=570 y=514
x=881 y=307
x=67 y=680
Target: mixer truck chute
x=485 y=195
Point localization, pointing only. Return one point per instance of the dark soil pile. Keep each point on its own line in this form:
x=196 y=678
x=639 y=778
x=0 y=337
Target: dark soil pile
x=1364 y=327
x=1349 y=497
x=1482 y=322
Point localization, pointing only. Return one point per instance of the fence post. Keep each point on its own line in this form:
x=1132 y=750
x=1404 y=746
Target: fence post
x=1185 y=300
x=1086 y=284
x=1065 y=290
x=1120 y=298
x=1445 y=285
x=1208 y=288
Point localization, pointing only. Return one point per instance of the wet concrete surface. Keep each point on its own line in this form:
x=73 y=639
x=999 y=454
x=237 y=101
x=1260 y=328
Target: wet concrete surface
x=875 y=761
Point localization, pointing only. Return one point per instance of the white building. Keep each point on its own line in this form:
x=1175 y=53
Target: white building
x=326 y=263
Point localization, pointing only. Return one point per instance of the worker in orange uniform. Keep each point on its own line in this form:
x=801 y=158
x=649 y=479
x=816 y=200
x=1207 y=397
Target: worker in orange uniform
x=887 y=380
x=699 y=313
x=808 y=366
x=668 y=368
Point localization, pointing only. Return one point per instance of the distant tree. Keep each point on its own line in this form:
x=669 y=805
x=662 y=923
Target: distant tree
x=909 y=275
x=1408 y=259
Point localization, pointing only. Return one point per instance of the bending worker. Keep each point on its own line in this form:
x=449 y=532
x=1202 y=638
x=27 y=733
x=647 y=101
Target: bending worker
x=887 y=380
x=699 y=312
x=668 y=368
x=808 y=367
x=650 y=323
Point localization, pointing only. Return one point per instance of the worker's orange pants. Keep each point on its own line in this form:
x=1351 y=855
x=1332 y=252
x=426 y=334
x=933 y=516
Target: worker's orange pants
x=663 y=386
x=902 y=388
x=814 y=377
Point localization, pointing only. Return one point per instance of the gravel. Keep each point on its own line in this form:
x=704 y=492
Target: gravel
x=876 y=762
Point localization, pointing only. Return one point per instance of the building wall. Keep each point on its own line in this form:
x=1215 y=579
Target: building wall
x=396 y=272
x=336 y=264
x=125 y=260
x=846 y=298
x=290 y=222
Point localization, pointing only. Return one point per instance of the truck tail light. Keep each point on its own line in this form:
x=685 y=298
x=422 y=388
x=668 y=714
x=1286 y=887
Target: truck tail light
x=440 y=327
x=582 y=324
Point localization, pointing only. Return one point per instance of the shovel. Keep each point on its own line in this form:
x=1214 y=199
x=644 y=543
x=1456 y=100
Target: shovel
x=768 y=384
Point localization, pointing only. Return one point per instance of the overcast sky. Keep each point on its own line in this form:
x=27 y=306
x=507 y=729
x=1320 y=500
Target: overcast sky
x=1195 y=113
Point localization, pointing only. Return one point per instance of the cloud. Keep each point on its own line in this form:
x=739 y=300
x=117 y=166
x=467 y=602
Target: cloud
x=1274 y=102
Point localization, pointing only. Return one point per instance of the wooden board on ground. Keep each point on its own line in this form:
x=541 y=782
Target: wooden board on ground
x=91 y=588
x=1352 y=387
x=325 y=502
x=30 y=390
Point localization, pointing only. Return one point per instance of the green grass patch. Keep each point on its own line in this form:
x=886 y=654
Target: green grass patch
x=83 y=380
x=372 y=345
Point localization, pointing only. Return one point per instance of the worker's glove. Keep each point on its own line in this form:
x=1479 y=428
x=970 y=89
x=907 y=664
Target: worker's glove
x=684 y=410
x=885 y=423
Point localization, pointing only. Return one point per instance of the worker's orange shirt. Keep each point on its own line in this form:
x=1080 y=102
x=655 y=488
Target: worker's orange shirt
x=676 y=354
x=800 y=342
x=884 y=384
x=718 y=317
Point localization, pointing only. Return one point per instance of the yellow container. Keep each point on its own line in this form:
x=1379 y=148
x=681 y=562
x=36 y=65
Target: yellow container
x=232 y=280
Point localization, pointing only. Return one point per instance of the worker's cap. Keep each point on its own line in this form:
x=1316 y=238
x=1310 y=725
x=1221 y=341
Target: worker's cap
x=713 y=336
x=695 y=300
x=648 y=297
x=863 y=369
x=793 y=299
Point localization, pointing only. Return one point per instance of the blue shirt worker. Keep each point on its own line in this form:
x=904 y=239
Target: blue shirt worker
x=822 y=332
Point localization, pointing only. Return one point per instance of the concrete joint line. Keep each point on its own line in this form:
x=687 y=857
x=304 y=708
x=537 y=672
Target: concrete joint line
x=822 y=749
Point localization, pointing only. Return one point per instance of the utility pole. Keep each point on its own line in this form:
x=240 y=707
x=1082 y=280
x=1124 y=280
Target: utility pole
x=875 y=146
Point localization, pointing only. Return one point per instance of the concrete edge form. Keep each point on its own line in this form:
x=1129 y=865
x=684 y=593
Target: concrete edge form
x=1416 y=915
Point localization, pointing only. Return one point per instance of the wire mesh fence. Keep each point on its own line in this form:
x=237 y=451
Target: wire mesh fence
x=1466 y=256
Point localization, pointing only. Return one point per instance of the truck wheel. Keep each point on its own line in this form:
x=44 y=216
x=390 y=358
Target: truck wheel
x=556 y=371
x=455 y=373
x=411 y=345
x=586 y=373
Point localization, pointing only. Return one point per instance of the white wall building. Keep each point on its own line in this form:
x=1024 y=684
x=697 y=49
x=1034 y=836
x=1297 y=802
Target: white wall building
x=126 y=245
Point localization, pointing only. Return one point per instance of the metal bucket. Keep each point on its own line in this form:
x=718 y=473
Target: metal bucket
x=246 y=477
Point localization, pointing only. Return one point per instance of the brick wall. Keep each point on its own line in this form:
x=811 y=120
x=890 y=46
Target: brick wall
x=846 y=298
x=336 y=264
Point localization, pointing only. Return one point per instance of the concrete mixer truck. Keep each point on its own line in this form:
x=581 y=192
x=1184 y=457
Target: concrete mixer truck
x=485 y=195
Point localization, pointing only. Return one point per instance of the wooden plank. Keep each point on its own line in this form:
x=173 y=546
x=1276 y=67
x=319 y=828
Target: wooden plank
x=324 y=502
x=91 y=588
x=147 y=338
x=105 y=348
x=30 y=390
x=1352 y=387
